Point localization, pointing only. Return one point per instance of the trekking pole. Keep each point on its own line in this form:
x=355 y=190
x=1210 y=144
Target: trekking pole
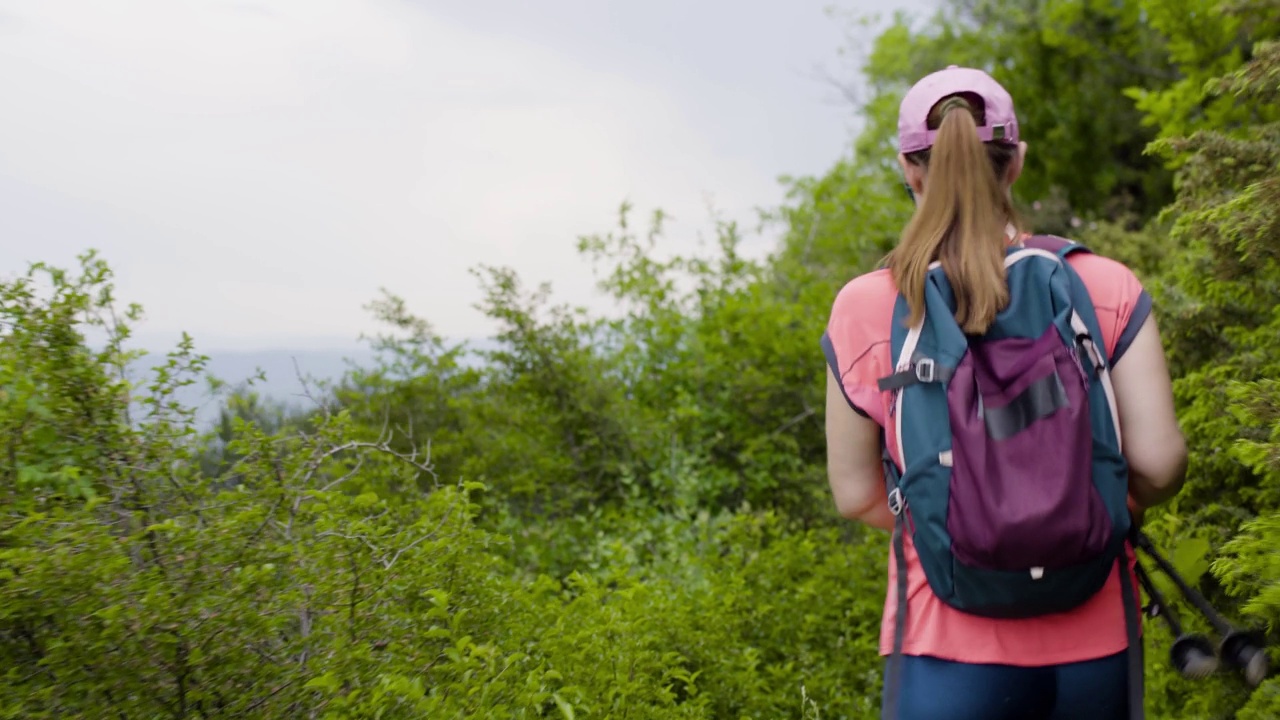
x=1243 y=649
x=1192 y=655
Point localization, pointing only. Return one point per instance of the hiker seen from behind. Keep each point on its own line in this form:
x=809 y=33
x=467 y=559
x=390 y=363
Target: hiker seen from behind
x=1000 y=402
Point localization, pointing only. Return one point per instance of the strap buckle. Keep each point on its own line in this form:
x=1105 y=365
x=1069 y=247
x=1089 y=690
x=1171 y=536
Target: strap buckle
x=896 y=502
x=926 y=371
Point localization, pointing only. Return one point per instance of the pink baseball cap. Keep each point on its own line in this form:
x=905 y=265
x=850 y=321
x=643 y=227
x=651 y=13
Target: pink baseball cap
x=913 y=115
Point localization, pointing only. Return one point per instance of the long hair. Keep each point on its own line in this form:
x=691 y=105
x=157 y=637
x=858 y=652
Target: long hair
x=961 y=219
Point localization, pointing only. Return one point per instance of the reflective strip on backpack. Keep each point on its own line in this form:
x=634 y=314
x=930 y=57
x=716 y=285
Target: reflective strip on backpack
x=1077 y=323
x=904 y=362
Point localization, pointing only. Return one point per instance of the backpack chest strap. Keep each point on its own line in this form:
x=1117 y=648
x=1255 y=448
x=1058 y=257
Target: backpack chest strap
x=922 y=370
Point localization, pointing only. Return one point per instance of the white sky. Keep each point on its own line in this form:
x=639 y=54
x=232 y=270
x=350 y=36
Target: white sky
x=255 y=170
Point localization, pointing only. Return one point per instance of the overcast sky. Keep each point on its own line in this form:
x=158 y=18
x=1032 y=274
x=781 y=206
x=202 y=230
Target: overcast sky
x=254 y=170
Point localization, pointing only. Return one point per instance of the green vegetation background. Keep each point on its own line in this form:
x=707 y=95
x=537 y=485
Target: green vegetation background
x=627 y=516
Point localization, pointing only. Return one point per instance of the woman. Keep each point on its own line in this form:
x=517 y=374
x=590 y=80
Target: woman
x=960 y=154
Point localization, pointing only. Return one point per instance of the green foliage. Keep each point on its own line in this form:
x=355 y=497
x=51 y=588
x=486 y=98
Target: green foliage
x=1067 y=64
x=695 y=396
x=1219 y=314
x=59 y=400
x=322 y=574
x=1204 y=45
x=626 y=515
x=1218 y=318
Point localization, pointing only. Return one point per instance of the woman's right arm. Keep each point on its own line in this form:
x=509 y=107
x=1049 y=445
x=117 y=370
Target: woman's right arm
x=1152 y=440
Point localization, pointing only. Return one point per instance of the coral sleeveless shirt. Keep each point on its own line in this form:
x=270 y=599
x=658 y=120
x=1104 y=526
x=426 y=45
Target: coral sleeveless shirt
x=856 y=343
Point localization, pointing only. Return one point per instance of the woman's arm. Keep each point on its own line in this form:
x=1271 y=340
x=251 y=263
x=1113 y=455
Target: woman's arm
x=853 y=461
x=1153 y=443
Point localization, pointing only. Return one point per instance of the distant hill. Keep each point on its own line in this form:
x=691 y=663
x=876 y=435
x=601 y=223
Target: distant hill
x=283 y=371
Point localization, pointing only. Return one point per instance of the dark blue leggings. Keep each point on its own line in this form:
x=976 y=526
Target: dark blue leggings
x=936 y=689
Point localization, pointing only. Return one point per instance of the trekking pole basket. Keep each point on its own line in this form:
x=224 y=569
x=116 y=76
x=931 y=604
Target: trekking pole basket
x=1244 y=650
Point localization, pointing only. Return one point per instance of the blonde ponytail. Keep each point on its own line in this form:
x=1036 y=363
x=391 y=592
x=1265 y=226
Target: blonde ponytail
x=961 y=219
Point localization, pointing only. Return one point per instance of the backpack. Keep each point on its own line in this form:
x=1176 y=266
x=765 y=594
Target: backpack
x=1010 y=445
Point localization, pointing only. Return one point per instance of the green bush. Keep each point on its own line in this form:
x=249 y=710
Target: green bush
x=628 y=516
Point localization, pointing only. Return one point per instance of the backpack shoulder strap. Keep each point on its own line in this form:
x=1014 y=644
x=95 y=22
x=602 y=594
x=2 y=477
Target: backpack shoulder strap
x=1059 y=246
x=1063 y=247
x=927 y=352
x=1083 y=301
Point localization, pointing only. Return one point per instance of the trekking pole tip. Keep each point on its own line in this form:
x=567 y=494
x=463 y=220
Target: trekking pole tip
x=1245 y=651
x=1256 y=671
x=1193 y=657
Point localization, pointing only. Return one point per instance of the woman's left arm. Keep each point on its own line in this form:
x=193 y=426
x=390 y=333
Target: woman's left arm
x=854 y=461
